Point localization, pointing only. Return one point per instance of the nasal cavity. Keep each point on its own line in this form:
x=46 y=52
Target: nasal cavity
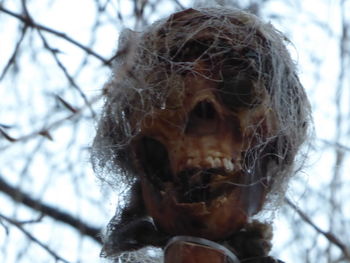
x=202 y=120
x=204 y=110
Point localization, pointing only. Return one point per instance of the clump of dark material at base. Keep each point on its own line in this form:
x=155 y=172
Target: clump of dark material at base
x=204 y=116
x=251 y=244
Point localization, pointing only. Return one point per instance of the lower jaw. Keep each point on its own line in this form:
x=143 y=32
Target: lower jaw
x=214 y=220
x=217 y=189
x=208 y=197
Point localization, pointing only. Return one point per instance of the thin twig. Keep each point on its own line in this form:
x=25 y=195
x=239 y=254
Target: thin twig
x=19 y=226
x=66 y=104
x=330 y=236
x=45 y=130
x=6 y=136
x=179 y=4
x=31 y=23
x=65 y=72
x=15 y=52
x=335 y=144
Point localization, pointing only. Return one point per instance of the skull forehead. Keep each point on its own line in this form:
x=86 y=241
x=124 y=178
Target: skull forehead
x=232 y=40
x=196 y=71
x=210 y=29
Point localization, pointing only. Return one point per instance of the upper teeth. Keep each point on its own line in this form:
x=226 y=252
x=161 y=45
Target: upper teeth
x=211 y=162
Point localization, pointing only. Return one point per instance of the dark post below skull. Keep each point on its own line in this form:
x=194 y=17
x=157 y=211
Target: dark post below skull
x=204 y=116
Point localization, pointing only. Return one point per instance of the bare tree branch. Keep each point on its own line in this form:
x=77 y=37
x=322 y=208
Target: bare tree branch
x=336 y=145
x=46 y=130
x=330 y=236
x=19 y=196
x=6 y=136
x=66 y=104
x=13 y=57
x=34 y=239
x=179 y=4
x=30 y=22
x=65 y=72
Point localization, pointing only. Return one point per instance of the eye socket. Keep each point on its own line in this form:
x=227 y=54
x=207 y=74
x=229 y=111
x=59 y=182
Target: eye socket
x=239 y=91
x=154 y=159
x=191 y=50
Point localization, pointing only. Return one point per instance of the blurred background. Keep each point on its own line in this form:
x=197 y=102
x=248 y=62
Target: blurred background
x=55 y=56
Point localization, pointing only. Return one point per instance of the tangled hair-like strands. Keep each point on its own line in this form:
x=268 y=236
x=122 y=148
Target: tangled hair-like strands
x=148 y=69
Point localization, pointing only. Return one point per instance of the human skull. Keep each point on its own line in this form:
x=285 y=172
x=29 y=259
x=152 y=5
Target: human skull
x=193 y=152
x=207 y=112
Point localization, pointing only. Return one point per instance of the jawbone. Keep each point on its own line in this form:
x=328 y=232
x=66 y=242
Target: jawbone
x=213 y=220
